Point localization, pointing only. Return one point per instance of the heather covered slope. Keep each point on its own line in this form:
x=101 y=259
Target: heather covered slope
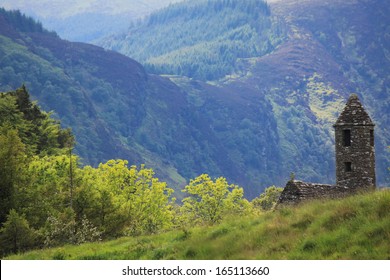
x=334 y=49
x=321 y=53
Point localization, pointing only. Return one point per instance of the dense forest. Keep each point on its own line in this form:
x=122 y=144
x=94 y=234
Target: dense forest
x=202 y=39
x=22 y=22
x=48 y=199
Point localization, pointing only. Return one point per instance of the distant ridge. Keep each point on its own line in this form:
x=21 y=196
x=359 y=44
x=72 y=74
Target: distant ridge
x=86 y=21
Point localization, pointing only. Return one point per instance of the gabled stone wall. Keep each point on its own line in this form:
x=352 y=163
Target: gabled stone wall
x=298 y=191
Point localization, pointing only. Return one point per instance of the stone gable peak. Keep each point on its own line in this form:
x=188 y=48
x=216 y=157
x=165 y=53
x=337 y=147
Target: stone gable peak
x=354 y=114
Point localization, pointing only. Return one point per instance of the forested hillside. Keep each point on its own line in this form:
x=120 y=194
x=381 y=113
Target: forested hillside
x=60 y=74
x=201 y=39
x=116 y=110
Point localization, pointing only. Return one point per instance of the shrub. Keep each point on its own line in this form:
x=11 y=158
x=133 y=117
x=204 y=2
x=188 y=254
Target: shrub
x=64 y=230
x=210 y=201
x=267 y=200
x=16 y=234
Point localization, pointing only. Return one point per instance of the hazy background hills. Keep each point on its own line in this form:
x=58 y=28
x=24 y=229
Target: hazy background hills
x=258 y=104
x=86 y=20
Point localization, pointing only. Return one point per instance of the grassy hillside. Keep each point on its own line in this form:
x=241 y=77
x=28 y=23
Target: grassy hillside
x=357 y=227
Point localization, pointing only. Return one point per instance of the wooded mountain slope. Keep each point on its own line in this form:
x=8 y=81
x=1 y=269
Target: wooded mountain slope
x=116 y=110
x=200 y=39
x=272 y=116
x=332 y=49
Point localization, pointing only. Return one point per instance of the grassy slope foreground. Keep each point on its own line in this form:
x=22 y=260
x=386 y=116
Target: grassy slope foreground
x=354 y=228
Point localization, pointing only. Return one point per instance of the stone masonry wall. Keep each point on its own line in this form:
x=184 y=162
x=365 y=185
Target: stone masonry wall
x=360 y=154
x=298 y=191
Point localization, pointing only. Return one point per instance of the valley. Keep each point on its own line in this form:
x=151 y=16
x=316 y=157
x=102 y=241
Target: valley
x=172 y=136
x=268 y=116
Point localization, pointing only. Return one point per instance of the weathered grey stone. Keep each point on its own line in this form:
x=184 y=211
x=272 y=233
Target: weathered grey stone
x=361 y=151
x=298 y=191
x=355 y=159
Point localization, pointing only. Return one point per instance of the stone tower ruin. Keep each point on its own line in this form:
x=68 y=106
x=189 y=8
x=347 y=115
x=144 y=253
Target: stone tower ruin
x=355 y=160
x=355 y=151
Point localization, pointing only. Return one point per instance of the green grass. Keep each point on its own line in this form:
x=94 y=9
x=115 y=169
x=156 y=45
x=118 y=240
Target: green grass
x=357 y=227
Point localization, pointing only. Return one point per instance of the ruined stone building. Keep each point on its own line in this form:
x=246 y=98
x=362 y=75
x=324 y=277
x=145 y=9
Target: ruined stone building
x=355 y=159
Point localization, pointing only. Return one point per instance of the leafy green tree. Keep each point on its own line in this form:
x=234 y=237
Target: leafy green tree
x=16 y=234
x=127 y=200
x=44 y=133
x=12 y=164
x=9 y=112
x=95 y=200
x=209 y=201
x=267 y=200
x=47 y=188
x=39 y=132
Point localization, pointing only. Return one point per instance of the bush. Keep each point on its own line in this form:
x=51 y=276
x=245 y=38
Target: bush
x=267 y=200
x=65 y=230
x=210 y=201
